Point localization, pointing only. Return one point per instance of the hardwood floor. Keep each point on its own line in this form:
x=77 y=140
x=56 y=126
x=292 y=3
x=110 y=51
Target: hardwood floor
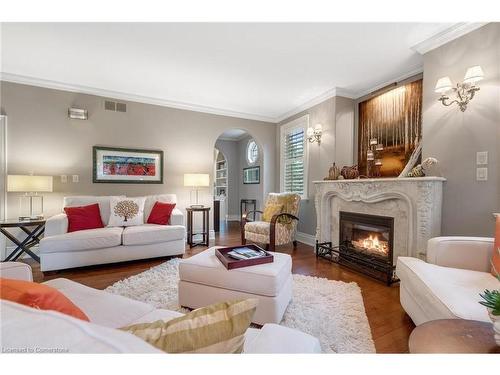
x=390 y=325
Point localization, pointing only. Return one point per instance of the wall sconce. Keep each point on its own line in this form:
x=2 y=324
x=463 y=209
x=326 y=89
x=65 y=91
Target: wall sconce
x=464 y=91
x=78 y=113
x=314 y=135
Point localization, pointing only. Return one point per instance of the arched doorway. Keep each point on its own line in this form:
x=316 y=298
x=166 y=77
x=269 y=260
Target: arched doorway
x=238 y=176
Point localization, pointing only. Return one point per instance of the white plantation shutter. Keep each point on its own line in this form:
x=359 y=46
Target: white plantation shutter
x=294 y=157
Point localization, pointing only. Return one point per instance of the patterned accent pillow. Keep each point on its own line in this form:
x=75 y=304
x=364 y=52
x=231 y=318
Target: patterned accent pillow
x=218 y=328
x=270 y=210
x=495 y=257
x=126 y=212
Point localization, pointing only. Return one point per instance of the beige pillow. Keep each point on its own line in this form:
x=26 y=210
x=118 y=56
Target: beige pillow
x=270 y=210
x=218 y=328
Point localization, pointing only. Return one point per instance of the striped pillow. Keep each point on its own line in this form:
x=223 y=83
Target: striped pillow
x=218 y=328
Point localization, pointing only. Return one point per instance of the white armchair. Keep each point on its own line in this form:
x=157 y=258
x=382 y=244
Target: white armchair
x=447 y=286
x=16 y=271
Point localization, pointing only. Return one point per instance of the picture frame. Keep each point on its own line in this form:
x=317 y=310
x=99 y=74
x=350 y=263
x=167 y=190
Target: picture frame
x=126 y=165
x=251 y=175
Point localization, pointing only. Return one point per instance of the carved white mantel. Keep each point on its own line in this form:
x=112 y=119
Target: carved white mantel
x=415 y=204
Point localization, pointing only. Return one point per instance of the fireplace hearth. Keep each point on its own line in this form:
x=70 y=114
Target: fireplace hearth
x=365 y=244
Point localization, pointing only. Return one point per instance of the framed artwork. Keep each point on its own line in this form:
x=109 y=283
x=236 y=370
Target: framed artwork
x=126 y=165
x=389 y=130
x=251 y=175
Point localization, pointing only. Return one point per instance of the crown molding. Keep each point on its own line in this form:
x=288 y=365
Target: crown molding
x=381 y=85
x=39 y=82
x=447 y=35
x=336 y=91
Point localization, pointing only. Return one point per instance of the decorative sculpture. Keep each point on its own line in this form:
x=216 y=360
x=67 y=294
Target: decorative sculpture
x=419 y=170
x=333 y=173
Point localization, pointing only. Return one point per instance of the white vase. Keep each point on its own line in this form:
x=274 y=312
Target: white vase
x=496 y=325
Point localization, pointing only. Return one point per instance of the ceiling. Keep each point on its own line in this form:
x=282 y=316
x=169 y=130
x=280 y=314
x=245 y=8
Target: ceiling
x=261 y=71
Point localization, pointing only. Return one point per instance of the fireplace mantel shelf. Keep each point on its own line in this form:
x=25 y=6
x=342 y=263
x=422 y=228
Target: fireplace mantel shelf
x=388 y=179
x=413 y=202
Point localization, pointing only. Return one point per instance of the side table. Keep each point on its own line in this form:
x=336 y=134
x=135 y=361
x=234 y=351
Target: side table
x=205 y=228
x=453 y=336
x=244 y=206
x=33 y=229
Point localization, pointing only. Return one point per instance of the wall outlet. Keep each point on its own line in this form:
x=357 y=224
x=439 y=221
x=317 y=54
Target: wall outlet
x=481 y=174
x=64 y=179
x=482 y=157
x=76 y=178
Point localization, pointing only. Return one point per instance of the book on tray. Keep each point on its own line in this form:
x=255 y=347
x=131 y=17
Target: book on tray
x=243 y=253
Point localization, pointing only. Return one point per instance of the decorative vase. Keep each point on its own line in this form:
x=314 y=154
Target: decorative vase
x=496 y=325
x=333 y=172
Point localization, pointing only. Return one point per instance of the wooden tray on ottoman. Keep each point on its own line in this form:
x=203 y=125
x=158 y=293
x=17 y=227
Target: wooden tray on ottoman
x=231 y=263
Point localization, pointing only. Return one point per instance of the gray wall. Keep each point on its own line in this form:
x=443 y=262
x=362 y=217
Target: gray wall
x=42 y=139
x=454 y=137
x=231 y=152
x=336 y=115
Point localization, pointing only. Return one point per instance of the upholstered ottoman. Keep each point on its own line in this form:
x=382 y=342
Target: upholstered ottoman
x=204 y=280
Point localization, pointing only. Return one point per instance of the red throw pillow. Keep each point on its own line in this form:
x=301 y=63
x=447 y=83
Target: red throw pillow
x=39 y=296
x=84 y=217
x=161 y=212
x=495 y=259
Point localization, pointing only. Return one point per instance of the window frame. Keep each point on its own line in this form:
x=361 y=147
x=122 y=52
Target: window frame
x=249 y=162
x=301 y=123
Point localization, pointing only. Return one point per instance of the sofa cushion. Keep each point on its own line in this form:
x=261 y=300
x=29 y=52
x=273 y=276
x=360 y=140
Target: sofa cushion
x=152 y=199
x=218 y=328
x=84 y=200
x=152 y=233
x=103 y=308
x=126 y=212
x=443 y=292
x=82 y=240
x=160 y=214
x=52 y=332
x=264 y=279
x=495 y=257
x=83 y=217
x=39 y=296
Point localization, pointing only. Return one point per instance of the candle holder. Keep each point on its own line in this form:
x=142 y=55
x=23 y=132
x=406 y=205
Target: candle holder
x=373 y=158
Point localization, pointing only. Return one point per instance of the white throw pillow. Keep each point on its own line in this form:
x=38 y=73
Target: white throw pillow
x=126 y=212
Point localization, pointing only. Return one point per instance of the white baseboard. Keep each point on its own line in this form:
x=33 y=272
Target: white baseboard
x=306 y=238
x=233 y=217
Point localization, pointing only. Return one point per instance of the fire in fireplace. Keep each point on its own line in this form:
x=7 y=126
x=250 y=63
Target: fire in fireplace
x=365 y=244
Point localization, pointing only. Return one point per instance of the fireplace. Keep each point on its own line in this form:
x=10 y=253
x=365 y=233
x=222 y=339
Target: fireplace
x=366 y=244
x=370 y=236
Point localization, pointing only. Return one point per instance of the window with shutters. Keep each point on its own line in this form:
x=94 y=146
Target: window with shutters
x=293 y=159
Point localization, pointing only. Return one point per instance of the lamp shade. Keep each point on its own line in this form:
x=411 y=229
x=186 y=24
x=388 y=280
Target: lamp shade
x=473 y=74
x=29 y=184
x=196 y=179
x=443 y=85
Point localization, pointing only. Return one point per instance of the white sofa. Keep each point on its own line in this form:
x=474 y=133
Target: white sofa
x=32 y=330
x=447 y=286
x=60 y=249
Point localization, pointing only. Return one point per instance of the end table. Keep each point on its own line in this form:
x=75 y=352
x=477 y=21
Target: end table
x=453 y=336
x=205 y=229
x=33 y=229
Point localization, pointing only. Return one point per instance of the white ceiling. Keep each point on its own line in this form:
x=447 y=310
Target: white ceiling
x=260 y=71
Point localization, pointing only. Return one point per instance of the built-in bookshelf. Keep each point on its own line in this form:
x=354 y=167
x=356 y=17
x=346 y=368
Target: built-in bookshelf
x=220 y=187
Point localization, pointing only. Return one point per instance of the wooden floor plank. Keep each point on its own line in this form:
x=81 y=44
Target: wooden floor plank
x=390 y=325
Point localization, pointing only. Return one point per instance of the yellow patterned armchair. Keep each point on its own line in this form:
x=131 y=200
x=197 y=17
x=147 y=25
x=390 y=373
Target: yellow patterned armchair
x=278 y=223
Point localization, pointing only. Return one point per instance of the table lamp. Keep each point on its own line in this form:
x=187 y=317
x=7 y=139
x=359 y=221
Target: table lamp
x=196 y=180
x=29 y=208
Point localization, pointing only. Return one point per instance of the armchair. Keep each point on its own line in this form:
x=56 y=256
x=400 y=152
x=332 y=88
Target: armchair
x=280 y=229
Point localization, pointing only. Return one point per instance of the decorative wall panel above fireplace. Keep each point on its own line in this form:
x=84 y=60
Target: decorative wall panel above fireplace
x=414 y=203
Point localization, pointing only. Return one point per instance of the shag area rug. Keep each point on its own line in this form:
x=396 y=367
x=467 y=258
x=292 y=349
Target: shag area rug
x=332 y=311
